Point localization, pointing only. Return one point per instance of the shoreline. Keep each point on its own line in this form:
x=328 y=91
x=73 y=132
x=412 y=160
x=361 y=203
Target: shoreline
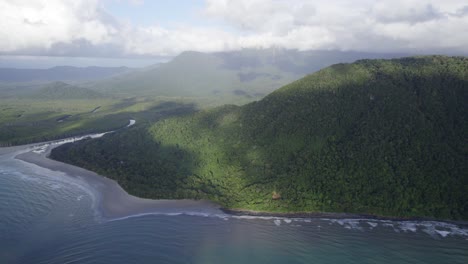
x=331 y=215
x=114 y=202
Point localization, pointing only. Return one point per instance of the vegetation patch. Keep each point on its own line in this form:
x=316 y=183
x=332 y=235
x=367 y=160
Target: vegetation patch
x=385 y=137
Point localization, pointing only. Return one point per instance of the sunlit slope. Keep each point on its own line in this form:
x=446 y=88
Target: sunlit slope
x=385 y=137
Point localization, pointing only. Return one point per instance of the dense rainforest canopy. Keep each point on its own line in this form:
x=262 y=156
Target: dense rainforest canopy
x=385 y=137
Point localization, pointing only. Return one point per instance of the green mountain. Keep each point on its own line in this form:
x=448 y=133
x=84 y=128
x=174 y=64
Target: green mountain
x=63 y=91
x=385 y=137
x=227 y=77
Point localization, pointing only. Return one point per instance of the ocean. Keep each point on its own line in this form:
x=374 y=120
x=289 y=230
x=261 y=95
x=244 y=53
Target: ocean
x=46 y=217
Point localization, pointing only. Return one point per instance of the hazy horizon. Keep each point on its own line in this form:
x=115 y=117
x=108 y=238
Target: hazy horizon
x=128 y=30
x=46 y=62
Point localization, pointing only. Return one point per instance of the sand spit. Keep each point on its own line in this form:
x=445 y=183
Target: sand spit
x=112 y=200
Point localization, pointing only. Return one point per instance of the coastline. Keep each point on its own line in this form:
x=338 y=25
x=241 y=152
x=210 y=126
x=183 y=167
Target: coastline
x=114 y=202
x=331 y=215
x=13 y=149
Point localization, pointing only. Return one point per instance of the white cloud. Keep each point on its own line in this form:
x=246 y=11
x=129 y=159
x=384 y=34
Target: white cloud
x=395 y=25
x=40 y=24
x=83 y=26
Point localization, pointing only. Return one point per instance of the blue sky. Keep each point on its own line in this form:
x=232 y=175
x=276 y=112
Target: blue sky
x=165 y=13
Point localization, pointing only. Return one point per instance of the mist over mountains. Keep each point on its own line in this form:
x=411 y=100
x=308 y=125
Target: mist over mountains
x=233 y=76
x=59 y=73
x=209 y=78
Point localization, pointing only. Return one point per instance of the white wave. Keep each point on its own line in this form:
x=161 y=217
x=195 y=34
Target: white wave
x=443 y=233
x=189 y=213
x=408 y=226
x=355 y=225
x=348 y=223
x=433 y=228
x=436 y=229
x=41 y=149
x=251 y=217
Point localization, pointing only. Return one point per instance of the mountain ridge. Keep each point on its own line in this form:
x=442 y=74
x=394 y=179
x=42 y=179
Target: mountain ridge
x=218 y=76
x=381 y=137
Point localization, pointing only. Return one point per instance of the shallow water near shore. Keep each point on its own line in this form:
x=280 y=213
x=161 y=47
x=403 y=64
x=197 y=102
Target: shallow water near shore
x=47 y=217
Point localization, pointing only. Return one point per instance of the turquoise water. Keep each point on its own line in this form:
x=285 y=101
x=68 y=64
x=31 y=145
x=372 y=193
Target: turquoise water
x=48 y=218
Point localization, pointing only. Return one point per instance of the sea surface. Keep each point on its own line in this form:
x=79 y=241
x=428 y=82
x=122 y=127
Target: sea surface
x=46 y=217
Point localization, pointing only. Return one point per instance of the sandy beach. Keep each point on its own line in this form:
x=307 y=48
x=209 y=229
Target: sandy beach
x=10 y=150
x=112 y=201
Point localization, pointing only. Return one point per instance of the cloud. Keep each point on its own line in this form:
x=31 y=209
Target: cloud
x=462 y=11
x=85 y=28
x=41 y=24
x=368 y=25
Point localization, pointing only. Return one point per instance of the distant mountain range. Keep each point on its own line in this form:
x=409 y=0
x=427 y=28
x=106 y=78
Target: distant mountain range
x=209 y=78
x=227 y=77
x=60 y=73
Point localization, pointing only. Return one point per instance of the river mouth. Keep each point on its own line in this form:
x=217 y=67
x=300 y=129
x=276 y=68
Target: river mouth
x=111 y=202
x=109 y=199
x=50 y=216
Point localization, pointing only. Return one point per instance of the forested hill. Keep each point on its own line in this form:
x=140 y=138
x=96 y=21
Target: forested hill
x=385 y=137
x=227 y=77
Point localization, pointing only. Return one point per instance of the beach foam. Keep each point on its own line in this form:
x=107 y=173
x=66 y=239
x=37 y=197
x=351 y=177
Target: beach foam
x=111 y=203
